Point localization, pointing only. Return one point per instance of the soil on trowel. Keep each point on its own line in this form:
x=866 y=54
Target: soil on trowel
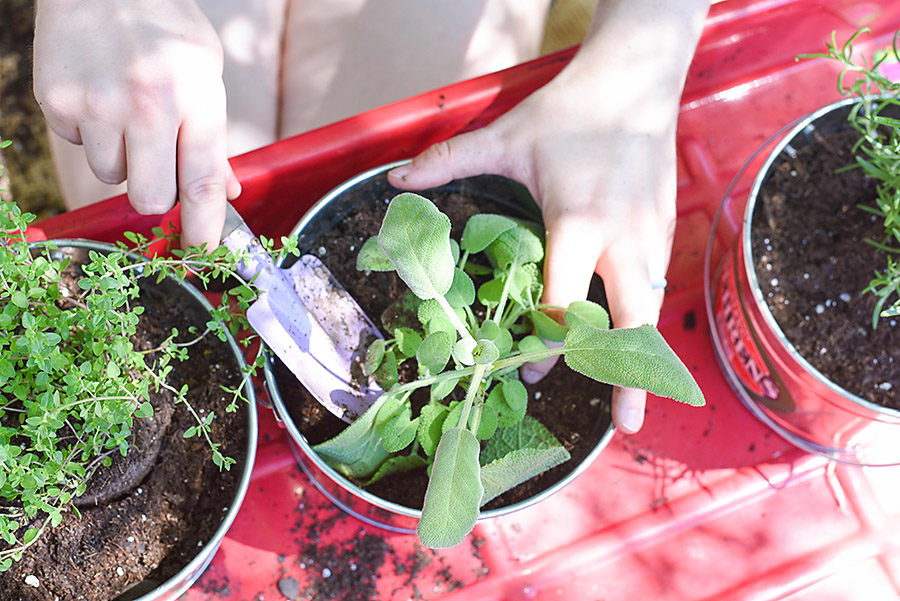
x=573 y=407
x=143 y=521
x=813 y=262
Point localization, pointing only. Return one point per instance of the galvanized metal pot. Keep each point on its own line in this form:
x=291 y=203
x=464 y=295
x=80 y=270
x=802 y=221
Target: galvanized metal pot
x=169 y=590
x=776 y=383
x=331 y=209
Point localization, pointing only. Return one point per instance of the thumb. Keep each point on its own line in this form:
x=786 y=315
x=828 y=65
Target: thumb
x=465 y=155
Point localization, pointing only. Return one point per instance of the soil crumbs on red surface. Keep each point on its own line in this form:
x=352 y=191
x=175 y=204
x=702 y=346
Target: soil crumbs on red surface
x=366 y=564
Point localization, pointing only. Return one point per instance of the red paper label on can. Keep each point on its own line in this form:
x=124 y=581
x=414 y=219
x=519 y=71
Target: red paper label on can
x=737 y=340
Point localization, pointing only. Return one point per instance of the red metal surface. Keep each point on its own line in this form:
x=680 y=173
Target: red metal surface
x=702 y=503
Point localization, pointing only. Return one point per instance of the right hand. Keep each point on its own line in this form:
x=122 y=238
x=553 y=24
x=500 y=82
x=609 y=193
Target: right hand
x=139 y=84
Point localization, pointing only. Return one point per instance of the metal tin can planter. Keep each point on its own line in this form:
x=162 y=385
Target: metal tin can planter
x=777 y=383
x=172 y=588
x=154 y=559
x=341 y=206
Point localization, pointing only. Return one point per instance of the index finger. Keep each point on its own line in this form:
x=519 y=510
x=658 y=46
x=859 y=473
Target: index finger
x=202 y=175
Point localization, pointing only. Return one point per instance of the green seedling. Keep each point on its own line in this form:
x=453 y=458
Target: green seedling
x=71 y=380
x=473 y=339
x=877 y=153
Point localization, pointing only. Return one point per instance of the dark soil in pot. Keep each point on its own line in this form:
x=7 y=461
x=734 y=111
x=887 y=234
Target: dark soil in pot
x=812 y=263
x=140 y=521
x=575 y=408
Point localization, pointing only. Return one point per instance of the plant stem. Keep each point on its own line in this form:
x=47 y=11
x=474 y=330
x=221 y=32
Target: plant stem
x=454 y=318
x=474 y=385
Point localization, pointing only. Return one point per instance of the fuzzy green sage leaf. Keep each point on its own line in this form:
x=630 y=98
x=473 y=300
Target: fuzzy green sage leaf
x=372 y=258
x=482 y=229
x=454 y=491
x=631 y=357
x=587 y=313
x=517 y=453
x=357 y=451
x=415 y=235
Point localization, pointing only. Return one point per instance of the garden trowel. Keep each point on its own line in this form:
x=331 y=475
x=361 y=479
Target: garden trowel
x=309 y=321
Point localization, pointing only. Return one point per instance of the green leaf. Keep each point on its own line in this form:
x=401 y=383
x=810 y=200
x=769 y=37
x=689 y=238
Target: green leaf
x=453 y=417
x=634 y=358
x=428 y=310
x=440 y=390
x=431 y=422
x=396 y=465
x=386 y=374
x=372 y=258
x=441 y=323
x=394 y=424
x=525 y=285
x=454 y=491
x=506 y=414
x=489 y=330
x=482 y=229
x=532 y=344
x=490 y=292
x=462 y=351
x=415 y=235
x=408 y=341
x=501 y=337
x=546 y=327
x=462 y=290
x=529 y=433
x=485 y=352
x=515 y=394
x=30 y=535
x=19 y=299
x=357 y=451
x=374 y=356
x=515 y=246
x=434 y=352
x=587 y=313
x=488 y=422
x=144 y=411
x=516 y=454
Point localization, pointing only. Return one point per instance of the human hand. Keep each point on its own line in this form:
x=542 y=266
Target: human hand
x=139 y=85
x=596 y=148
x=607 y=196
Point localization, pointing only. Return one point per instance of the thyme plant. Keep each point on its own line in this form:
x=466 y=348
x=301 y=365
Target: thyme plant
x=72 y=381
x=481 y=443
x=877 y=153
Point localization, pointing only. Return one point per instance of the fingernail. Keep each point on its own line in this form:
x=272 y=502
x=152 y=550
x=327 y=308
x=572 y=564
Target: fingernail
x=401 y=171
x=530 y=375
x=632 y=420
